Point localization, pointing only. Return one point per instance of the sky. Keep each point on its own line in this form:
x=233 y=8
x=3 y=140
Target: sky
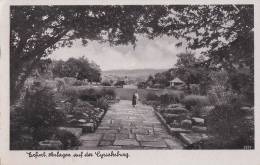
x=159 y=53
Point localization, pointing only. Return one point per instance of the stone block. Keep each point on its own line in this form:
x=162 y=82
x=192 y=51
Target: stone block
x=89 y=144
x=147 y=138
x=91 y=137
x=121 y=136
x=154 y=144
x=82 y=121
x=199 y=129
x=105 y=143
x=171 y=117
x=140 y=131
x=193 y=138
x=50 y=145
x=174 y=143
x=198 y=121
x=126 y=142
x=176 y=106
x=179 y=130
x=87 y=127
x=109 y=137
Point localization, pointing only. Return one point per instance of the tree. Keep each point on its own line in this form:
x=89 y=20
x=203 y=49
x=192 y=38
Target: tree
x=78 y=68
x=162 y=79
x=120 y=83
x=38 y=30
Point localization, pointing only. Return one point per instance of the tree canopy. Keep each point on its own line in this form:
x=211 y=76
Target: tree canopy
x=36 y=31
x=78 y=68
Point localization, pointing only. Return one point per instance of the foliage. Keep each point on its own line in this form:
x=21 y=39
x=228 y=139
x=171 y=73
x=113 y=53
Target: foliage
x=152 y=97
x=40 y=109
x=162 y=79
x=108 y=93
x=120 y=83
x=79 y=83
x=106 y=83
x=92 y=94
x=67 y=138
x=79 y=68
x=227 y=122
x=220 y=92
x=102 y=103
x=34 y=118
x=71 y=91
x=195 y=100
x=141 y=85
x=171 y=98
x=36 y=31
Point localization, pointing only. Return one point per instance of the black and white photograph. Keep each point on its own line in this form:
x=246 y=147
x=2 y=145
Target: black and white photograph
x=132 y=77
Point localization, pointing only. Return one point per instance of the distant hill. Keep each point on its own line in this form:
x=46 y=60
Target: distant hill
x=137 y=74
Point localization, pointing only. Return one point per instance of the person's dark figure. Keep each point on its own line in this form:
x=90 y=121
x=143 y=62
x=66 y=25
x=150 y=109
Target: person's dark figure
x=135 y=98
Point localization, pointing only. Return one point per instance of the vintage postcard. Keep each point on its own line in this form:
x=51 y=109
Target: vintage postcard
x=129 y=82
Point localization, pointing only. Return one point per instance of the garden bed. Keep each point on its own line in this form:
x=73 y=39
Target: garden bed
x=180 y=123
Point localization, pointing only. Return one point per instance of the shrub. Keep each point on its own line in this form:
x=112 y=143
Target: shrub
x=71 y=91
x=40 y=109
x=67 y=139
x=195 y=100
x=37 y=115
x=94 y=94
x=120 y=83
x=219 y=95
x=201 y=111
x=78 y=83
x=171 y=98
x=108 y=93
x=152 y=97
x=102 y=103
x=106 y=83
x=89 y=94
x=227 y=122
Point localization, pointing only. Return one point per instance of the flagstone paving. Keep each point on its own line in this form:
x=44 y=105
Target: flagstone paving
x=126 y=127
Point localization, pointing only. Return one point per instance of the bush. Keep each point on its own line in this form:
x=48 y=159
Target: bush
x=195 y=100
x=71 y=91
x=108 y=93
x=120 y=83
x=94 y=94
x=89 y=94
x=227 y=122
x=40 y=109
x=67 y=139
x=171 y=98
x=106 y=83
x=102 y=103
x=152 y=97
x=34 y=118
x=78 y=83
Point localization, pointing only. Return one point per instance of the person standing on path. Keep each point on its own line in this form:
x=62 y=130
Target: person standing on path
x=135 y=99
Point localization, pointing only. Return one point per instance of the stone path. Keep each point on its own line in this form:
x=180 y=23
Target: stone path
x=125 y=127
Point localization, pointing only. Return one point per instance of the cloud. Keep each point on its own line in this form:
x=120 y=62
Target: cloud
x=159 y=53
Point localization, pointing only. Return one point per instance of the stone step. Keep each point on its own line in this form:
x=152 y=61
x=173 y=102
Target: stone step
x=193 y=138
